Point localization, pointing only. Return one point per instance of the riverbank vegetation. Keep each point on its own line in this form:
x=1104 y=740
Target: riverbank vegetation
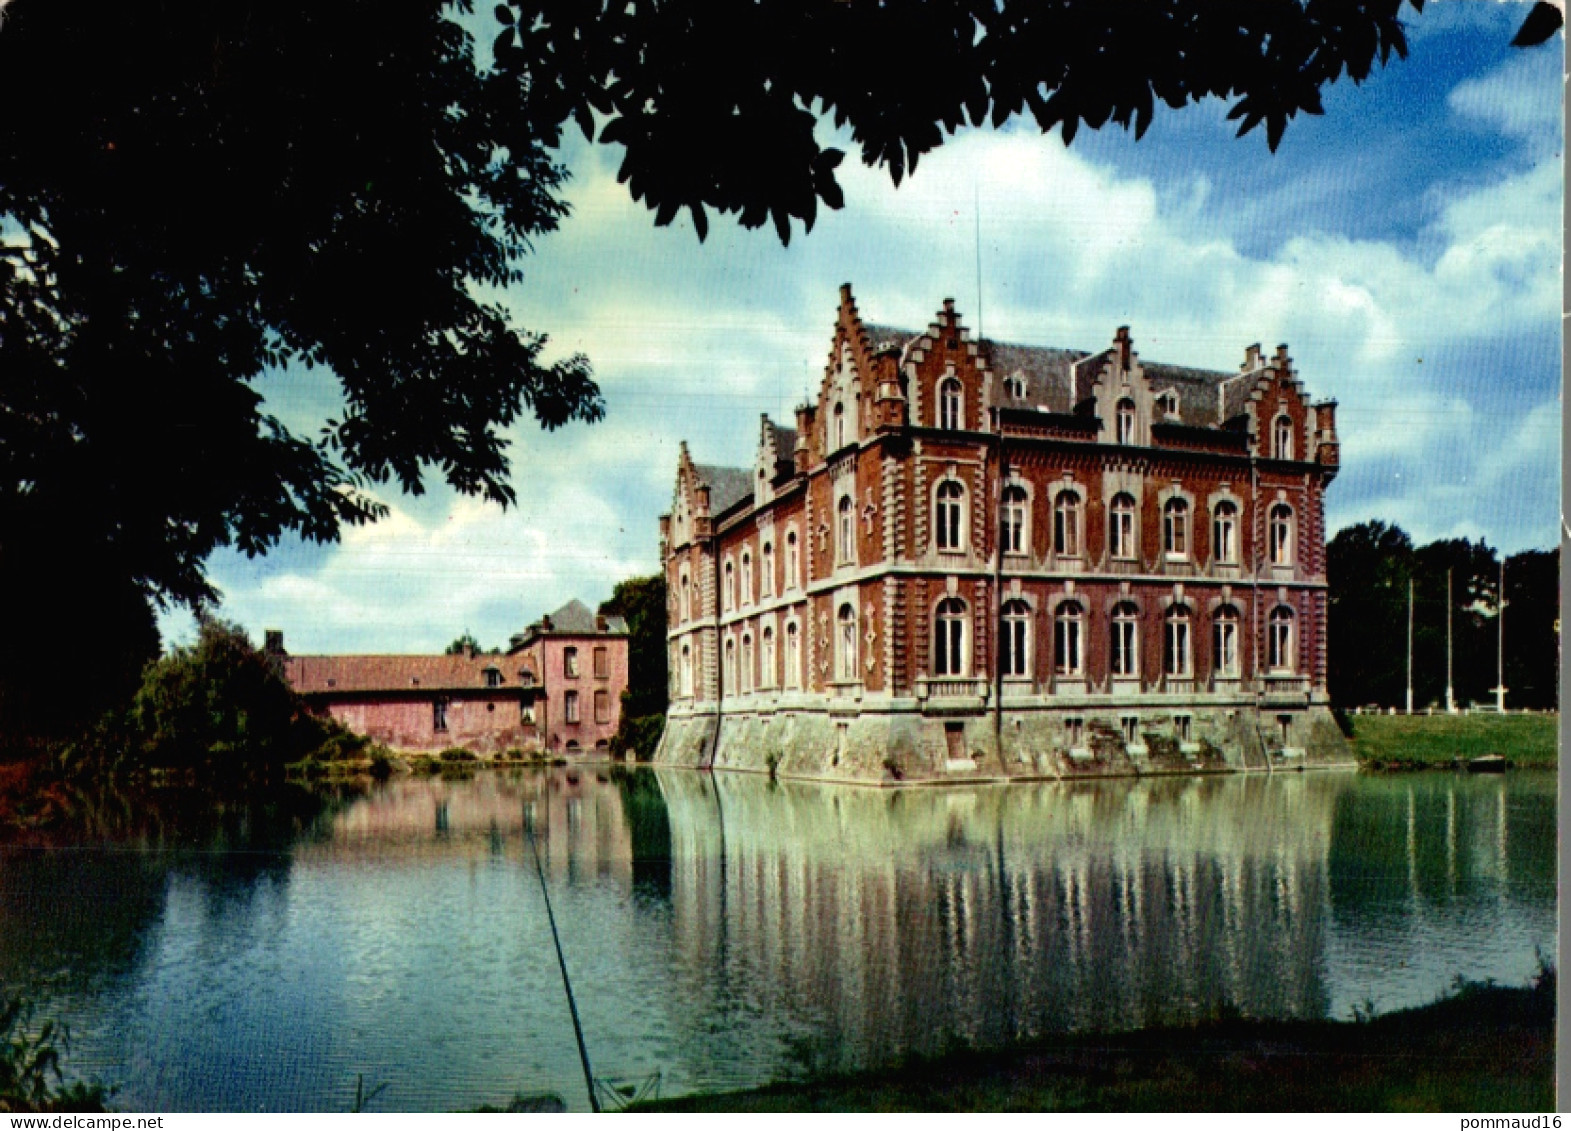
x=1415 y=742
x=641 y=601
x=1483 y=1048
x=31 y=1075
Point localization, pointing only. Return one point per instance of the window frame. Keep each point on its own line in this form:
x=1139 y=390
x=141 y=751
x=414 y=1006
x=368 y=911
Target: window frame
x=570 y=662
x=1066 y=523
x=1124 y=421
x=1123 y=543
x=1015 y=655
x=1124 y=641
x=1224 y=532
x=1226 y=633
x=571 y=714
x=1014 y=527
x=846 y=643
x=1178 y=652
x=845 y=531
x=1280 y=640
x=950 y=622
x=1069 y=643
x=949 y=496
x=951 y=404
x=1175 y=529
x=1279 y=541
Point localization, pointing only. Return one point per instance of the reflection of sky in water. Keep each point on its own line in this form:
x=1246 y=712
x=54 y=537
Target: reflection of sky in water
x=727 y=931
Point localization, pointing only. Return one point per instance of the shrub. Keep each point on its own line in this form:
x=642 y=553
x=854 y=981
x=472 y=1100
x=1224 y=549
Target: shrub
x=30 y=1076
x=381 y=766
x=457 y=754
x=640 y=734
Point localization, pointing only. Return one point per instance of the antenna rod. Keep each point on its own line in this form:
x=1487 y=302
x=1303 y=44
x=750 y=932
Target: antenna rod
x=1410 y=645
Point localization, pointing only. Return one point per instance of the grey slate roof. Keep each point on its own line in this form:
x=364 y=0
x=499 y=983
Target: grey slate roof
x=785 y=448
x=573 y=619
x=727 y=485
x=1047 y=372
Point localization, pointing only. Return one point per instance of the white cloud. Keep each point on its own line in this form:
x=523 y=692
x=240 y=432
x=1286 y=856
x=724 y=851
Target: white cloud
x=693 y=341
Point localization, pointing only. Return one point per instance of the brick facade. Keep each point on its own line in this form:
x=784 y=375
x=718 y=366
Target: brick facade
x=986 y=558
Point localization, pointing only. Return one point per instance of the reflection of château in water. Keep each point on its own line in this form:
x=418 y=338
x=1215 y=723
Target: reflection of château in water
x=973 y=559
x=992 y=914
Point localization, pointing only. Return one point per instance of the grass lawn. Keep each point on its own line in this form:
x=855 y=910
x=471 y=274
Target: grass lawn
x=1398 y=740
x=1487 y=1048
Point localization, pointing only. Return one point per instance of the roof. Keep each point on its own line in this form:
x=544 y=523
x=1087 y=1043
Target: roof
x=1047 y=373
x=572 y=619
x=345 y=674
x=727 y=485
x=785 y=448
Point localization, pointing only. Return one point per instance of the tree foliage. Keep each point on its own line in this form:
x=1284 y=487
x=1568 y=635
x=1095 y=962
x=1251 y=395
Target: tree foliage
x=642 y=602
x=1369 y=567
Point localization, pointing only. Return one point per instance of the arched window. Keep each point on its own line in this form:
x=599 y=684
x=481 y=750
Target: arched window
x=730 y=667
x=949 y=404
x=847 y=643
x=1125 y=417
x=1224 y=533
x=1281 y=535
x=845 y=531
x=686 y=603
x=793 y=656
x=766 y=672
x=839 y=440
x=766 y=580
x=1126 y=640
x=730 y=586
x=949 y=637
x=1224 y=643
x=687 y=670
x=1121 y=527
x=747 y=577
x=1176 y=659
x=1279 y=640
x=1284 y=437
x=1015 y=539
x=746 y=683
x=1175 y=528
x=950 y=516
x=1017 y=639
x=1066 y=524
x=1068 y=639
x=793 y=561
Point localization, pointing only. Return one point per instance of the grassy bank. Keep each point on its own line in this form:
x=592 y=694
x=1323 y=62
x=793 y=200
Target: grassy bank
x=1399 y=741
x=1486 y=1048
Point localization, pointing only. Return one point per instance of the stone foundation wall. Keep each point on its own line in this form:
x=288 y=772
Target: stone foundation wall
x=896 y=746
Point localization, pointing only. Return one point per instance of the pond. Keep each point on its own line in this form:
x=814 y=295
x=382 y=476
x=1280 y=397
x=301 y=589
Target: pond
x=727 y=931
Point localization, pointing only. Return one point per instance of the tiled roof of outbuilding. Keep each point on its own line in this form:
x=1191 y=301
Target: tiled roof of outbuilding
x=328 y=674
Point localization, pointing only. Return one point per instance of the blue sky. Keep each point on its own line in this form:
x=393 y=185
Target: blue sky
x=1407 y=246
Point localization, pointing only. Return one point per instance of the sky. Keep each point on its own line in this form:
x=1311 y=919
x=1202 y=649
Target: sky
x=1406 y=246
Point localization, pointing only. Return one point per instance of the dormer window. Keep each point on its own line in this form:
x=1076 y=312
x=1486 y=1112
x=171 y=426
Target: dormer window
x=1167 y=403
x=493 y=678
x=1015 y=386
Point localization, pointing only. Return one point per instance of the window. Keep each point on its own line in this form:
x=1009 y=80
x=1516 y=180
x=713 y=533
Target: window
x=949 y=404
x=1015 y=386
x=949 y=637
x=602 y=706
x=1279 y=640
x=793 y=656
x=602 y=664
x=1281 y=535
x=1121 y=527
x=1284 y=437
x=730 y=586
x=687 y=670
x=570 y=706
x=686 y=607
x=1224 y=533
x=526 y=714
x=845 y=531
x=570 y=663
x=766 y=581
x=766 y=675
x=793 y=561
x=839 y=440
x=747 y=577
x=1125 y=416
x=493 y=678
x=1284 y=726
x=1130 y=725
x=1066 y=524
x=1075 y=731
x=730 y=667
x=439 y=714
x=1167 y=404
x=746 y=682
x=526 y=678
x=951 y=497
x=1126 y=640
x=1068 y=655
x=1183 y=727
x=847 y=643
x=1014 y=525
x=1224 y=643
x=1017 y=639
x=1175 y=528
x=1176 y=653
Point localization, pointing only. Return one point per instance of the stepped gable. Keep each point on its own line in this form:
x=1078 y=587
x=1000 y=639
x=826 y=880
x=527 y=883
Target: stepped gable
x=727 y=485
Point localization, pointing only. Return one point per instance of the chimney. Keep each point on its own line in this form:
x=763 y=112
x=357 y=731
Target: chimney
x=469 y=650
x=600 y=623
x=273 y=642
x=545 y=623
